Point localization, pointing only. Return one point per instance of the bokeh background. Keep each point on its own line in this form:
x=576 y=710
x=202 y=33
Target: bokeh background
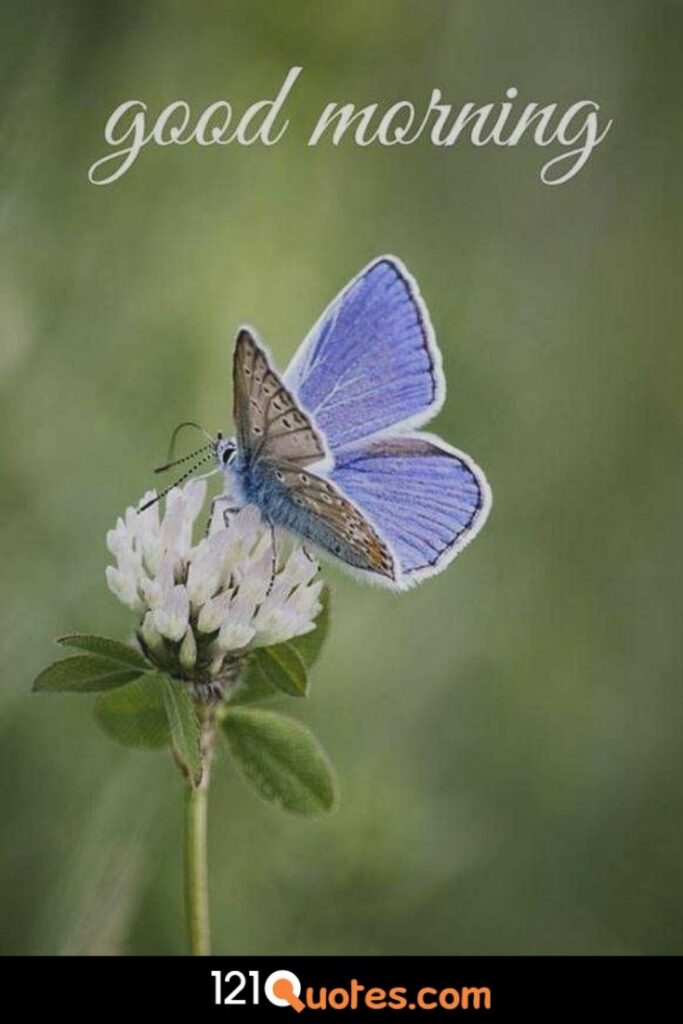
x=508 y=736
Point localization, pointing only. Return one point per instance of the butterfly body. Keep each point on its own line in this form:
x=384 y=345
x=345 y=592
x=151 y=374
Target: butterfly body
x=329 y=452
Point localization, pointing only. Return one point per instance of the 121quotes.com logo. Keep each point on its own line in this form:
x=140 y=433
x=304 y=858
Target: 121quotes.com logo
x=283 y=988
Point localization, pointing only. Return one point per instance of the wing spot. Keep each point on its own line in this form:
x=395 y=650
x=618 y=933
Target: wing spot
x=304 y=479
x=279 y=476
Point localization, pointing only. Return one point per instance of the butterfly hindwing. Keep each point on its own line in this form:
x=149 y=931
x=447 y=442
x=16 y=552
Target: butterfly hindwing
x=314 y=508
x=428 y=499
x=270 y=424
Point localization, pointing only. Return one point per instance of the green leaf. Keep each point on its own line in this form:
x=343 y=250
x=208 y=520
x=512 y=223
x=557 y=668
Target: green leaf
x=282 y=759
x=106 y=648
x=310 y=645
x=184 y=726
x=283 y=667
x=84 y=673
x=253 y=686
x=269 y=672
x=135 y=714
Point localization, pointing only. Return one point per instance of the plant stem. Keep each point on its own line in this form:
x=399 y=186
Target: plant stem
x=196 y=864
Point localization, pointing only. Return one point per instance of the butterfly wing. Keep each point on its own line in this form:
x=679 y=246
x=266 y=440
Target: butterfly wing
x=371 y=361
x=315 y=509
x=269 y=422
x=424 y=497
x=278 y=441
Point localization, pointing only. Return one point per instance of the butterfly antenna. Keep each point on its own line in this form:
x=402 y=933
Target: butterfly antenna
x=181 y=426
x=185 y=458
x=181 y=480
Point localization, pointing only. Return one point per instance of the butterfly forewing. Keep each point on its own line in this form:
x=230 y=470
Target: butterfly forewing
x=344 y=531
x=269 y=422
x=371 y=363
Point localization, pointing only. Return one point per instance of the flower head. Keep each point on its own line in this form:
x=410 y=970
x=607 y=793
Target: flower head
x=203 y=602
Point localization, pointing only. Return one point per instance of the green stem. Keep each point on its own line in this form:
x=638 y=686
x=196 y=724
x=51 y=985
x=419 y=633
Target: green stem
x=196 y=865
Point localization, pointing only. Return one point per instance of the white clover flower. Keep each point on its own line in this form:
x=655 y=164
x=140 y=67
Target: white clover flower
x=203 y=602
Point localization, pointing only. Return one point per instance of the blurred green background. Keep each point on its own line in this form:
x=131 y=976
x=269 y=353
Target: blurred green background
x=508 y=735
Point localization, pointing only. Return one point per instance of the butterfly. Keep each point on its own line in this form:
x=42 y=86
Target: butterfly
x=329 y=450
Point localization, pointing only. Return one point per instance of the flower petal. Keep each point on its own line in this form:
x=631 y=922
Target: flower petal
x=171 y=616
x=124 y=586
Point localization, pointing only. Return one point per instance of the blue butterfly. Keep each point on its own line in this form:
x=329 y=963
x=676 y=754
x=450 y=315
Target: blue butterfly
x=329 y=452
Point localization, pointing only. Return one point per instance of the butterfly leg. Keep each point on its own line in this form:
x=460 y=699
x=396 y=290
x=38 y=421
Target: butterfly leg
x=227 y=512
x=273 y=562
x=307 y=553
